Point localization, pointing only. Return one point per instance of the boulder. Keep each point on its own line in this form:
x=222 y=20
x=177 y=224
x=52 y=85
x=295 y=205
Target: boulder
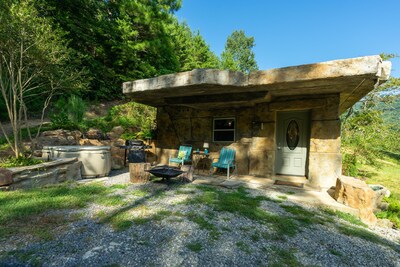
x=118 y=130
x=356 y=194
x=93 y=133
x=380 y=193
x=5 y=177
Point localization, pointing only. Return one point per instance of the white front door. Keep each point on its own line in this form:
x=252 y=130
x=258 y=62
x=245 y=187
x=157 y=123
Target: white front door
x=292 y=143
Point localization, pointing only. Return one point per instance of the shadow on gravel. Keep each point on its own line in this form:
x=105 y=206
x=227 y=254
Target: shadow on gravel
x=241 y=240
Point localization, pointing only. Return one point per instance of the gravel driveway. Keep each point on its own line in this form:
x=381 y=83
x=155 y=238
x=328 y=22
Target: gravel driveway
x=160 y=224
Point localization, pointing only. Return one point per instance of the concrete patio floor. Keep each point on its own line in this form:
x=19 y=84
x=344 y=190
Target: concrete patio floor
x=305 y=195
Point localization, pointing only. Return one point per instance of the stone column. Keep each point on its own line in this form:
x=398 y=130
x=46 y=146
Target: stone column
x=325 y=159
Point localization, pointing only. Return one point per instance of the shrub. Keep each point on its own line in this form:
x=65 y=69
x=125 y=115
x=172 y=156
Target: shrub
x=68 y=113
x=76 y=109
x=19 y=162
x=393 y=211
x=349 y=165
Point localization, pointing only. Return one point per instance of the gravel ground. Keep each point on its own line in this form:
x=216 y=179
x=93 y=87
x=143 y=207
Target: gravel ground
x=225 y=239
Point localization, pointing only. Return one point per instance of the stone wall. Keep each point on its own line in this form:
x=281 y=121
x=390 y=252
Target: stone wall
x=255 y=135
x=52 y=172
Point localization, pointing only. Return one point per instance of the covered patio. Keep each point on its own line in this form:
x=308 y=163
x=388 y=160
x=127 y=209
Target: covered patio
x=281 y=122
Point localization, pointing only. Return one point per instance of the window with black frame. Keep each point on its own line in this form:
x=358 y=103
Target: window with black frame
x=224 y=130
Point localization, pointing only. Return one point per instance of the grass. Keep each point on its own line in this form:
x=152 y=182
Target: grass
x=20 y=206
x=284 y=257
x=243 y=247
x=204 y=224
x=241 y=203
x=345 y=216
x=195 y=246
x=388 y=174
x=366 y=235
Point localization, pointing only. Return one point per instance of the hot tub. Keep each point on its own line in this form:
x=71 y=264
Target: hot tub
x=96 y=160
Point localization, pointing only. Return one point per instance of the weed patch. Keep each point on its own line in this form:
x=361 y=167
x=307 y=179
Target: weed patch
x=345 y=216
x=243 y=247
x=195 y=246
x=284 y=257
x=366 y=235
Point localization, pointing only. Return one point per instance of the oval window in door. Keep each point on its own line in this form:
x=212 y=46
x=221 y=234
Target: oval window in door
x=292 y=135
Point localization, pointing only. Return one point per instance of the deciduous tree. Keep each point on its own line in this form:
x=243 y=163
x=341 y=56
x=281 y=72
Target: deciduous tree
x=33 y=64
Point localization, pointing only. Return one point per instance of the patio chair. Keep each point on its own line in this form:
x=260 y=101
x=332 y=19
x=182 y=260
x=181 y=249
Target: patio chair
x=226 y=161
x=184 y=155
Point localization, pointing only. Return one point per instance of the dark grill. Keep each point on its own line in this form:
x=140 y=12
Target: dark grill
x=135 y=150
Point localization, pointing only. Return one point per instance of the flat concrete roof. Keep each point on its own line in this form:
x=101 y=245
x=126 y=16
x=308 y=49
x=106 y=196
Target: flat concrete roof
x=204 y=88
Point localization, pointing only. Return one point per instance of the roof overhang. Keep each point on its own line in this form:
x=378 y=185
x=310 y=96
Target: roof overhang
x=351 y=78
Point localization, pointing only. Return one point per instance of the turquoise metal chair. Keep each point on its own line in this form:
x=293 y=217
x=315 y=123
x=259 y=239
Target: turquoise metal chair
x=184 y=155
x=226 y=160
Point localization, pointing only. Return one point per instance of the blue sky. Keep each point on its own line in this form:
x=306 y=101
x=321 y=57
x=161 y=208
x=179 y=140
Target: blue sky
x=299 y=32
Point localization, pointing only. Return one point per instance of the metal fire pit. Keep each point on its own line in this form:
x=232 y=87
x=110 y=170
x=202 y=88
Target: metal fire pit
x=165 y=171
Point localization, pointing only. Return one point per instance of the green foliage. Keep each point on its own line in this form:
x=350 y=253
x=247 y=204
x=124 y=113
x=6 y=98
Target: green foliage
x=76 y=109
x=371 y=127
x=238 y=54
x=68 y=113
x=19 y=162
x=349 y=165
x=191 y=49
x=137 y=119
x=34 y=63
x=116 y=41
x=393 y=211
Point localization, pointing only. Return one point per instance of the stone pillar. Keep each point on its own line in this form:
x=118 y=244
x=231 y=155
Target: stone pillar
x=325 y=160
x=262 y=150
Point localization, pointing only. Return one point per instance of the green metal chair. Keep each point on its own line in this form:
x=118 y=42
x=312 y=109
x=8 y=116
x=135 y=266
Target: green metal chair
x=184 y=155
x=226 y=160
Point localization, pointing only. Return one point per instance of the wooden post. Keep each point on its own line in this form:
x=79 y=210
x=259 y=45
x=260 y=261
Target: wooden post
x=187 y=176
x=138 y=172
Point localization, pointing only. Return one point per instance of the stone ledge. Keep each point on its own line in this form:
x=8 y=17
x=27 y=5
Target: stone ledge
x=57 y=171
x=54 y=163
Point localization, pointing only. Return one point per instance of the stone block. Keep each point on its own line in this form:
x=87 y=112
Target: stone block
x=202 y=129
x=241 y=157
x=261 y=162
x=330 y=111
x=356 y=194
x=183 y=128
x=5 y=177
x=325 y=136
x=324 y=169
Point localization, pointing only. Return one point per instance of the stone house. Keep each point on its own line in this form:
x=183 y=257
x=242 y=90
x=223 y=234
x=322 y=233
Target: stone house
x=281 y=121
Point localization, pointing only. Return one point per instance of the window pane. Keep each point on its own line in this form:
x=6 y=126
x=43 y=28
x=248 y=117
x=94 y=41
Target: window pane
x=222 y=124
x=292 y=135
x=224 y=135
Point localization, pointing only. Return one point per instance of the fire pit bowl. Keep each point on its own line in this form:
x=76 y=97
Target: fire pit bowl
x=165 y=171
